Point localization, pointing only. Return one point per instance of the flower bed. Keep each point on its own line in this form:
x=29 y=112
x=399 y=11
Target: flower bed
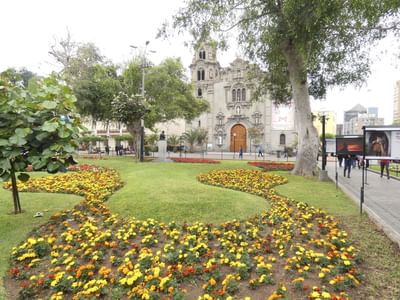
x=194 y=160
x=272 y=166
x=292 y=250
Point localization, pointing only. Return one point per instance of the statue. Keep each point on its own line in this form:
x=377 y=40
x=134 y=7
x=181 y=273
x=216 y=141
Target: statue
x=162 y=136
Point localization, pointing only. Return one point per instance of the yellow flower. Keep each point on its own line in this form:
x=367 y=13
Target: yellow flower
x=212 y=282
x=326 y=295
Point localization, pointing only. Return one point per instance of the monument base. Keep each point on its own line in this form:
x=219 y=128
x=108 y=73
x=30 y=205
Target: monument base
x=162 y=150
x=323 y=175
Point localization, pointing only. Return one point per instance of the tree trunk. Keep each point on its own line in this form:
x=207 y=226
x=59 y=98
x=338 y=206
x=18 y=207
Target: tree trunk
x=134 y=131
x=306 y=161
x=17 y=203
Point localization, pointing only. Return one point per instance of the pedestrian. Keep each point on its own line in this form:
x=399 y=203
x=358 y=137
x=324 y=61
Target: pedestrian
x=340 y=159
x=107 y=150
x=260 y=153
x=385 y=165
x=347 y=165
x=241 y=153
x=116 y=150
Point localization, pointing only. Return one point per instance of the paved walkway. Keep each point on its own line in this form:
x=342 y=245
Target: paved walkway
x=381 y=197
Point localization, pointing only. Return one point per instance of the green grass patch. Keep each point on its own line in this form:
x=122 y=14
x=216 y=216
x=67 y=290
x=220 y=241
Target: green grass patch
x=170 y=192
x=394 y=169
x=14 y=228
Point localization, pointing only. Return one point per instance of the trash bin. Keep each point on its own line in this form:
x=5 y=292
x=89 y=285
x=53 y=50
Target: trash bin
x=278 y=154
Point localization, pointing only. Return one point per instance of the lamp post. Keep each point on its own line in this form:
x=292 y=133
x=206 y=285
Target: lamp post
x=234 y=146
x=142 y=94
x=323 y=174
x=180 y=146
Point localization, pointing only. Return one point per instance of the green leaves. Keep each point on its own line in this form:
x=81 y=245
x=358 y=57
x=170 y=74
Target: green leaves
x=50 y=126
x=31 y=132
x=49 y=104
x=63 y=133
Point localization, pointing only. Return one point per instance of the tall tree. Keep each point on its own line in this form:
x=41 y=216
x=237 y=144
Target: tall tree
x=304 y=46
x=93 y=78
x=38 y=126
x=167 y=96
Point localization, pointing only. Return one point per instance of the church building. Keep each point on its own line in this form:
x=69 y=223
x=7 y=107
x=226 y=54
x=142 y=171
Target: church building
x=233 y=120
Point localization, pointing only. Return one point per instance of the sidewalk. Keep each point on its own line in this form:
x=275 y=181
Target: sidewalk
x=381 y=197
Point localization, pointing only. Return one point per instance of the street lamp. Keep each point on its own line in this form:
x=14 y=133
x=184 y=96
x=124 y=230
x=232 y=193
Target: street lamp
x=322 y=118
x=142 y=94
x=180 y=146
x=323 y=173
x=234 y=146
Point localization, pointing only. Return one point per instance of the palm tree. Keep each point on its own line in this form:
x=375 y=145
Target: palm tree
x=173 y=141
x=190 y=137
x=202 y=137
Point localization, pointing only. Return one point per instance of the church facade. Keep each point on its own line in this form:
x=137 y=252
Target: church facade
x=234 y=121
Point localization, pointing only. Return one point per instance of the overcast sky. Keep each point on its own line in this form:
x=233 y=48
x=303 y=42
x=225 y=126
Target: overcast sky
x=29 y=28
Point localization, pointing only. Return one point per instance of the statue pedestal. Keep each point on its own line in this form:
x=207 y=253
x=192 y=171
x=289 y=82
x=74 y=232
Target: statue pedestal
x=162 y=150
x=323 y=175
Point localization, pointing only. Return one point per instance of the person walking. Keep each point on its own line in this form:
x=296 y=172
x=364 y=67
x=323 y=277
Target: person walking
x=340 y=159
x=347 y=165
x=241 y=153
x=385 y=165
x=260 y=153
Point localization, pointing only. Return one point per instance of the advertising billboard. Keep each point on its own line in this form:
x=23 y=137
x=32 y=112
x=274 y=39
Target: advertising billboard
x=349 y=144
x=283 y=117
x=382 y=142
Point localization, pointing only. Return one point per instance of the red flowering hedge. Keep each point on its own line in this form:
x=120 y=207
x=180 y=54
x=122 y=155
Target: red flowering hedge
x=83 y=167
x=103 y=157
x=272 y=166
x=195 y=160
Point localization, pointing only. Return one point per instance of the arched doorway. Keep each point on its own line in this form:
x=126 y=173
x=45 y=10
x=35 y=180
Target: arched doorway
x=238 y=138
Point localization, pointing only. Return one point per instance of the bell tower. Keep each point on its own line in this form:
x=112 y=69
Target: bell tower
x=205 y=67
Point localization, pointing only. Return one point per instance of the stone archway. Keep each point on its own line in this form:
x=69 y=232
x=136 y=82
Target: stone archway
x=238 y=138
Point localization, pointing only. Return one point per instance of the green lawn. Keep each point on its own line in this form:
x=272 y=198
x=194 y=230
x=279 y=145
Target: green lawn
x=394 y=169
x=170 y=191
x=14 y=228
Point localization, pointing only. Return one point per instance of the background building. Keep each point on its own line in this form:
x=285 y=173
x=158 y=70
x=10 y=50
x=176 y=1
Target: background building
x=233 y=120
x=330 y=122
x=396 y=103
x=359 y=116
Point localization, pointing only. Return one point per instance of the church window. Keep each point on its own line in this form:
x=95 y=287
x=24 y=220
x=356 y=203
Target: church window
x=200 y=74
x=282 y=139
x=243 y=94
x=238 y=95
x=202 y=54
x=233 y=95
x=199 y=92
